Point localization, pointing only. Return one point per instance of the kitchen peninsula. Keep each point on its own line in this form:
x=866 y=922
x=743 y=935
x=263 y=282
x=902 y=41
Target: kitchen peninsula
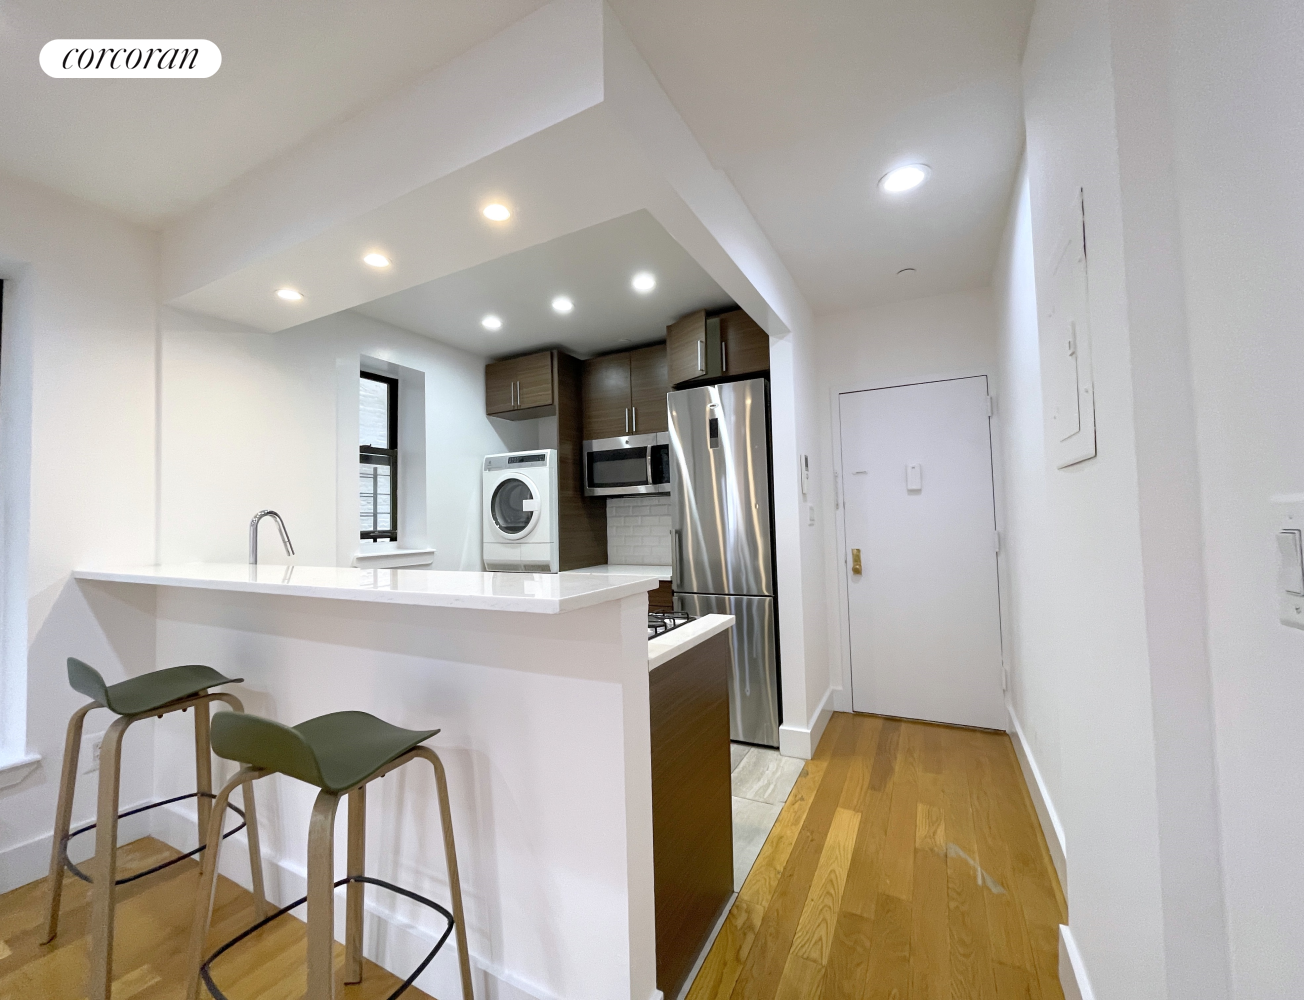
x=540 y=686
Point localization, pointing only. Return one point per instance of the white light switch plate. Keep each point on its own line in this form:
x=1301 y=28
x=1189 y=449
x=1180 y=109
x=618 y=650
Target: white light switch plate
x=1290 y=519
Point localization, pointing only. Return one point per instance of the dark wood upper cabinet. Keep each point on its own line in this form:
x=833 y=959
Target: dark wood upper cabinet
x=649 y=379
x=721 y=347
x=744 y=346
x=606 y=396
x=500 y=387
x=626 y=393
x=534 y=381
x=522 y=388
x=686 y=347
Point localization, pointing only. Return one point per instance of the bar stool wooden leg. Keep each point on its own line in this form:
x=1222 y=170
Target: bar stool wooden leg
x=354 y=892
x=255 y=850
x=321 y=897
x=203 y=765
x=106 y=861
x=454 y=882
x=63 y=818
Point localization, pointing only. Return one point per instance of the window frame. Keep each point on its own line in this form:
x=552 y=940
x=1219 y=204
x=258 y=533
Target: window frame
x=370 y=455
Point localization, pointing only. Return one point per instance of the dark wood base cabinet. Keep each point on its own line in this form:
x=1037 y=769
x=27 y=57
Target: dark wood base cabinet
x=692 y=809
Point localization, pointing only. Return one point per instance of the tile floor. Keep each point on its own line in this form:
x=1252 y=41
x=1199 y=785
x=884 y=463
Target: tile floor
x=761 y=781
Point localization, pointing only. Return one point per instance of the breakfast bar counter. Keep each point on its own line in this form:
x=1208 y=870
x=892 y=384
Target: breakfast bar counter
x=540 y=687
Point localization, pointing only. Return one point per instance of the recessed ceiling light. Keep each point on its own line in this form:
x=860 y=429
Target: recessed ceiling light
x=289 y=294
x=562 y=305
x=644 y=282
x=491 y=322
x=376 y=260
x=497 y=212
x=904 y=178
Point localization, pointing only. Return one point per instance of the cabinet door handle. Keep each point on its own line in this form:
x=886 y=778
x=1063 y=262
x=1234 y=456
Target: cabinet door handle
x=627 y=420
x=634 y=411
x=701 y=367
x=724 y=362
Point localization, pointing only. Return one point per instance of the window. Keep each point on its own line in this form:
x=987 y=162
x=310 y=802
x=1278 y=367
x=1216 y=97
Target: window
x=378 y=457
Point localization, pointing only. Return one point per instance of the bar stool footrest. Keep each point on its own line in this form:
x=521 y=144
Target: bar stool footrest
x=217 y=994
x=73 y=869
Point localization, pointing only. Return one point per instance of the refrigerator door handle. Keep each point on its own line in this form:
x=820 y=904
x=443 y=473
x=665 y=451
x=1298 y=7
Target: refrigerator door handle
x=674 y=552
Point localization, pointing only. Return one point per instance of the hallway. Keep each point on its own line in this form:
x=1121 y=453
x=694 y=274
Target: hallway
x=907 y=862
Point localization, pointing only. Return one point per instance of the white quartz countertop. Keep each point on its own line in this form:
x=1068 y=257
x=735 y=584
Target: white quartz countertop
x=539 y=593
x=660 y=572
x=665 y=648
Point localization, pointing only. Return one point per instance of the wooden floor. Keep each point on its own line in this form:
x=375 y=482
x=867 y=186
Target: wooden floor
x=907 y=863
x=153 y=928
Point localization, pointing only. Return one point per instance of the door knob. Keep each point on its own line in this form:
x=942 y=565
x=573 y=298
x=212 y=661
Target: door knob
x=855 y=562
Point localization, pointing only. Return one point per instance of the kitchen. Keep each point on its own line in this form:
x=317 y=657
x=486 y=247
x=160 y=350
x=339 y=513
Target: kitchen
x=411 y=401
x=238 y=389
x=1031 y=600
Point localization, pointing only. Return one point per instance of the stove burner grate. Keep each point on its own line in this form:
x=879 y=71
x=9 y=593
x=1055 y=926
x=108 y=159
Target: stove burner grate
x=661 y=622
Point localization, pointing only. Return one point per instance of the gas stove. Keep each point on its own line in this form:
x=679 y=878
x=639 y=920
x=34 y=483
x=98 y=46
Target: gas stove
x=661 y=622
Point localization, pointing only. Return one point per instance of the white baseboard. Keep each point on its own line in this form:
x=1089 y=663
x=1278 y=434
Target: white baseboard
x=801 y=741
x=391 y=942
x=1072 y=970
x=1050 y=824
x=27 y=862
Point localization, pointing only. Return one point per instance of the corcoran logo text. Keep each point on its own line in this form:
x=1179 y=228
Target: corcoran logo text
x=127 y=58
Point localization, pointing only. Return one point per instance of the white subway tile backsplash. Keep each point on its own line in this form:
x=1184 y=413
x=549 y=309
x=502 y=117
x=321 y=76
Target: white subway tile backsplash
x=638 y=531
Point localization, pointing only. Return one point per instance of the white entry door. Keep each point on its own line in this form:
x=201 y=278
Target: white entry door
x=922 y=596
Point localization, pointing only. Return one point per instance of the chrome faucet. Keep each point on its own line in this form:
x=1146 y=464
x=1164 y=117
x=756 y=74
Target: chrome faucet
x=253 y=535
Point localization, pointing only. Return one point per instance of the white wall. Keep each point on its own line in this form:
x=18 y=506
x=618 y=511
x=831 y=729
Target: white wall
x=1111 y=678
x=1238 y=86
x=253 y=420
x=939 y=336
x=78 y=410
x=1027 y=581
x=805 y=677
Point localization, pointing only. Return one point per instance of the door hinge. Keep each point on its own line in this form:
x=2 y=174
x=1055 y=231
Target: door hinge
x=996 y=540
x=991 y=406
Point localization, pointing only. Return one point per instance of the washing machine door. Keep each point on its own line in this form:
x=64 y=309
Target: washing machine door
x=514 y=507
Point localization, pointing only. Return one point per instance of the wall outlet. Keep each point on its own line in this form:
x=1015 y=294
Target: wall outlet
x=1005 y=678
x=92 y=746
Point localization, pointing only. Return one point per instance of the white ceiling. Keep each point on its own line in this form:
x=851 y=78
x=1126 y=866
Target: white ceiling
x=153 y=149
x=805 y=105
x=593 y=267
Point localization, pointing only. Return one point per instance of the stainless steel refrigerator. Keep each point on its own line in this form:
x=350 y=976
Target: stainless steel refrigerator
x=722 y=537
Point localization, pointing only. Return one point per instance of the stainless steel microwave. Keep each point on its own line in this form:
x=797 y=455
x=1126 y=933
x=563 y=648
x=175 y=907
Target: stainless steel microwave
x=627 y=466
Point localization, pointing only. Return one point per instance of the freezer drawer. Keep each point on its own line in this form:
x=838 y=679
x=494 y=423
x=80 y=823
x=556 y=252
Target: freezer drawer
x=754 y=676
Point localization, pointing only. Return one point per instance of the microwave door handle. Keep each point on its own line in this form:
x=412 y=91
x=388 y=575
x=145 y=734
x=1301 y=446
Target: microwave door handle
x=648 y=456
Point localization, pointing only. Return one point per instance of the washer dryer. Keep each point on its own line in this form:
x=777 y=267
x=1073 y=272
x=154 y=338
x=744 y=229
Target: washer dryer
x=520 y=512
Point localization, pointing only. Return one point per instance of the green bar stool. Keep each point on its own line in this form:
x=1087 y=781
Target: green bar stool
x=340 y=754
x=158 y=693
